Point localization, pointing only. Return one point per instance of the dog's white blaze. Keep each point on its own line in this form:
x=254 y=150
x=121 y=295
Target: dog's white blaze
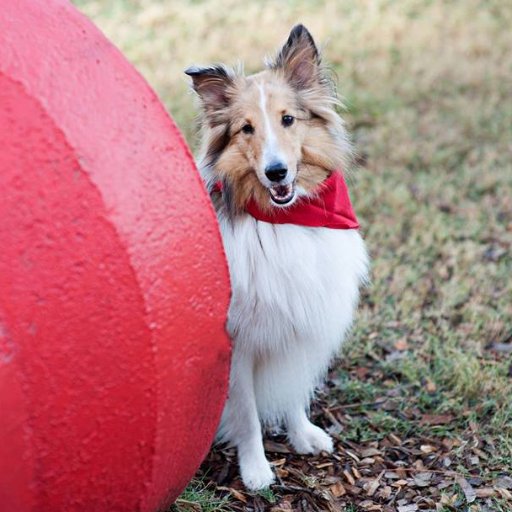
x=271 y=151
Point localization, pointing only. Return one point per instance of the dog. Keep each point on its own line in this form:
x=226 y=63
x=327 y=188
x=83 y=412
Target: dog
x=273 y=152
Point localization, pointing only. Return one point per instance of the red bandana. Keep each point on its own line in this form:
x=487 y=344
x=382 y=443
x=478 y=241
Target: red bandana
x=329 y=208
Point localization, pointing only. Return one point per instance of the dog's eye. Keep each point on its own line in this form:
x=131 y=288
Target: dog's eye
x=248 y=128
x=287 y=120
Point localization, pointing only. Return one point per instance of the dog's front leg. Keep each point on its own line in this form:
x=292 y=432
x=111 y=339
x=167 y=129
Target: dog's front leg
x=242 y=426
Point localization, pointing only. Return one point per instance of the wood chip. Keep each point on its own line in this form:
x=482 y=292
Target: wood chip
x=272 y=446
x=323 y=465
x=353 y=456
x=349 y=477
x=370 y=452
x=337 y=490
x=370 y=506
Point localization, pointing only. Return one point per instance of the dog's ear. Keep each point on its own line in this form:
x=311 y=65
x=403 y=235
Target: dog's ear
x=211 y=84
x=299 y=58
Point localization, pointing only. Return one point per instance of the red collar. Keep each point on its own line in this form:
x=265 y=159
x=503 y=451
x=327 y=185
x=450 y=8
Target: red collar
x=330 y=207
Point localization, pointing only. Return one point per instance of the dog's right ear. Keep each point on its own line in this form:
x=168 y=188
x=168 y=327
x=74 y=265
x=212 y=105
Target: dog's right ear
x=211 y=84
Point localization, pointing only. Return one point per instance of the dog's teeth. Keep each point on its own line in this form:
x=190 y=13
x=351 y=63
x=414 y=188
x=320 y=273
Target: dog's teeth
x=282 y=194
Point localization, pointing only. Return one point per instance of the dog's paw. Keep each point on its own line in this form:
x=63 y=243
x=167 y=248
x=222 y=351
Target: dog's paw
x=311 y=439
x=257 y=475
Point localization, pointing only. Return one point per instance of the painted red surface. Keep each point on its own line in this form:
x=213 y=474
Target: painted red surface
x=113 y=283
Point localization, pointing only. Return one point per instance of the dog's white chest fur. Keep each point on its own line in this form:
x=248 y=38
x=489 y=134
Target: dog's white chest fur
x=295 y=290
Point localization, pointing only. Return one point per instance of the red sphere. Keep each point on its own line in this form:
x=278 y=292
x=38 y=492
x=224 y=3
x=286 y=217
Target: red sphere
x=113 y=283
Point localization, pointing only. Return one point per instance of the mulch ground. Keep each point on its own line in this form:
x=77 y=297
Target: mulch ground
x=391 y=473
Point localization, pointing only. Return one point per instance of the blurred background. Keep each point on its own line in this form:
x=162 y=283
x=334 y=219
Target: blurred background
x=428 y=90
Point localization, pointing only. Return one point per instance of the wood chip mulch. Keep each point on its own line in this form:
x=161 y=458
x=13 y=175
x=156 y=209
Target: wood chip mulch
x=395 y=473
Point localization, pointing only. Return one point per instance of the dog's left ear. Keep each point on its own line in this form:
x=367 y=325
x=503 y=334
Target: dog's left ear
x=299 y=58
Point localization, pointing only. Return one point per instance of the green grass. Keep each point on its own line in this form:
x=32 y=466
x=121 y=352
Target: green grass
x=199 y=496
x=268 y=495
x=427 y=85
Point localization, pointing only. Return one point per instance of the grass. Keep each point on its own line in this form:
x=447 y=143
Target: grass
x=200 y=496
x=427 y=85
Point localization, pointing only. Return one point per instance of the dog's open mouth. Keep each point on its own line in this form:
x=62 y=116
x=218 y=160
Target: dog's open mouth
x=282 y=194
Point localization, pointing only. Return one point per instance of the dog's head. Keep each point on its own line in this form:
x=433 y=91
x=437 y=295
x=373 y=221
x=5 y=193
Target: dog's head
x=273 y=136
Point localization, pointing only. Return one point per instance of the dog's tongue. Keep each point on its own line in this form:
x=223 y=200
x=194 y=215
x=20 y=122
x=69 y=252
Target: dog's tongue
x=282 y=194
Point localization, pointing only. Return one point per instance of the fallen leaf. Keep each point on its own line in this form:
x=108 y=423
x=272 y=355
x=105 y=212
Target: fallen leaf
x=385 y=492
x=236 y=494
x=436 y=419
x=428 y=448
x=502 y=347
x=422 y=479
x=505 y=482
x=408 y=508
x=370 y=506
x=395 y=439
x=282 y=473
x=362 y=372
x=401 y=344
x=505 y=494
x=370 y=452
x=485 y=492
x=467 y=489
x=374 y=485
x=430 y=386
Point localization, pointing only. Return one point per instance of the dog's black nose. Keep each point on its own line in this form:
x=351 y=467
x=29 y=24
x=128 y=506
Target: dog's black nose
x=276 y=171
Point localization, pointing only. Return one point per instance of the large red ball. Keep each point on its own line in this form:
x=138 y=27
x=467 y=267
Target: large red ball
x=113 y=283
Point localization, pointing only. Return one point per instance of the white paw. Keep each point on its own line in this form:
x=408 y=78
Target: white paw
x=311 y=439
x=256 y=475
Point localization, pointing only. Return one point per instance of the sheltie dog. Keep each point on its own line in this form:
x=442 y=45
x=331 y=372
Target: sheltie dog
x=272 y=147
